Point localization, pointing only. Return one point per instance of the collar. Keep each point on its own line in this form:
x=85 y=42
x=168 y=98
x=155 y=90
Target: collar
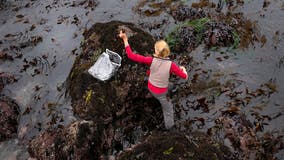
x=166 y=58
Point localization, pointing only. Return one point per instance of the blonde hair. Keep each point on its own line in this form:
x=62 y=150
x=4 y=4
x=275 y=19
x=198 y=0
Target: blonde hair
x=162 y=49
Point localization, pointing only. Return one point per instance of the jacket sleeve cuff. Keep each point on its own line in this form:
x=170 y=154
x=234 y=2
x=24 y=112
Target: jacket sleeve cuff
x=126 y=44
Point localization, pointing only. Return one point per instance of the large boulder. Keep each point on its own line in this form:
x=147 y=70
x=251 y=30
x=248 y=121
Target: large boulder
x=94 y=99
x=121 y=103
x=121 y=100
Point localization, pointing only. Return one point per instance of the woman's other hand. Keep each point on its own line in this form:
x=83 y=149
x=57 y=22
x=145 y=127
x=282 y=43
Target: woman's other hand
x=184 y=70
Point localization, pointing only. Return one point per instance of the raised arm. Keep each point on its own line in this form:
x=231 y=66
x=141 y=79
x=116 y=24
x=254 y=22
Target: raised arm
x=135 y=57
x=124 y=37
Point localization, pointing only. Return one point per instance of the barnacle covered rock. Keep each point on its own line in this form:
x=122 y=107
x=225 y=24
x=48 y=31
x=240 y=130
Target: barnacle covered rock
x=218 y=34
x=182 y=13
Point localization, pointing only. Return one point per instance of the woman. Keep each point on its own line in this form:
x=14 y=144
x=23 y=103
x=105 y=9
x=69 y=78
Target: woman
x=161 y=67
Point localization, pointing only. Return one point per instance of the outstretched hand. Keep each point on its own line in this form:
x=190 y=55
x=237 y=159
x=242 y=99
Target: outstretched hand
x=124 y=37
x=184 y=70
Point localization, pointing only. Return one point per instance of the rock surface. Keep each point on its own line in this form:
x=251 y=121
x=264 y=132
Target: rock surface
x=177 y=145
x=9 y=112
x=76 y=141
x=120 y=101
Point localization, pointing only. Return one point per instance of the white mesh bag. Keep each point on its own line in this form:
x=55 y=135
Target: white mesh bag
x=106 y=65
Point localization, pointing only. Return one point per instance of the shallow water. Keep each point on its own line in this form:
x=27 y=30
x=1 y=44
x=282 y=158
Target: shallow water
x=61 y=27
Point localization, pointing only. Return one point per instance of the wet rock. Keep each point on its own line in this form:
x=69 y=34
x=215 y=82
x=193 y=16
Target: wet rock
x=77 y=141
x=214 y=28
x=190 y=34
x=218 y=34
x=177 y=145
x=9 y=112
x=182 y=13
x=121 y=102
x=184 y=40
x=108 y=97
x=188 y=38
